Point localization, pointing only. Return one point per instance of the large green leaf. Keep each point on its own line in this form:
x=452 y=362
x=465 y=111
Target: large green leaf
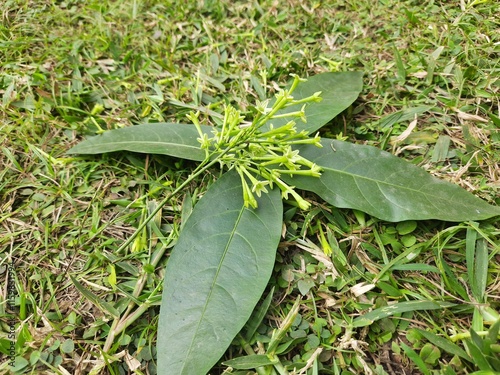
x=179 y=140
x=339 y=90
x=215 y=276
x=387 y=187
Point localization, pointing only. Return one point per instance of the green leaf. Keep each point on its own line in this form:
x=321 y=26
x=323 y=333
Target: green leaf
x=493 y=332
x=441 y=149
x=304 y=286
x=215 y=276
x=35 y=357
x=406 y=227
x=338 y=91
x=103 y=305
x=415 y=267
x=444 y=344
x=178 y=140
x=479 y=358
x=389 y=289
x=249 y=362
x=476 y=252
x=68 y=346
x=5 y=346
x=20 y=364
x=397 y=308
x=385 y=186
x=258 y=316
x=430 y=354
x=407 y=114
x=410 y=353
x=400 y=65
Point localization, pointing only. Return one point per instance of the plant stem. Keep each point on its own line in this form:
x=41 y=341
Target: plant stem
x=248 y=349
x=466 y=335
x=278 y=366
x=119 y=324
x=199 y=170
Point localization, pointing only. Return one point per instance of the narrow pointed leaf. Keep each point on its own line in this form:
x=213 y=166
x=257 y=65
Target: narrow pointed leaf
x=103 y=305
x=249 y=362
x=179 y=140
x=338 y=90
x=257 y=317
x=385 y=186
x=478 y=355
x=406 y=114
x=215 y=276
x=397 y=308
x=411 y=354
x=444 y=344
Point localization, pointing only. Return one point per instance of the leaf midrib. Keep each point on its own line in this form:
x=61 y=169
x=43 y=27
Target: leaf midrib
x=380 y=182
x=149 y=142
x=212 y=287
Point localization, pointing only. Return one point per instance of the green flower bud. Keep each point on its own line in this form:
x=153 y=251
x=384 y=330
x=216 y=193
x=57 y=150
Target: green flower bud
x=248 y=198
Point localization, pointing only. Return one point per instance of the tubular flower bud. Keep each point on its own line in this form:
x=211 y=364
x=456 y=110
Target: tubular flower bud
x=261 y=157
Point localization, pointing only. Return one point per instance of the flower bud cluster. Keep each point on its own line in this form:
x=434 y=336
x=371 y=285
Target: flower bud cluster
x=260 y=156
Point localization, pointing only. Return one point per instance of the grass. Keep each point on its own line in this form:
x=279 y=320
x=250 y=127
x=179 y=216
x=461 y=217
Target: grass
x=72 y=68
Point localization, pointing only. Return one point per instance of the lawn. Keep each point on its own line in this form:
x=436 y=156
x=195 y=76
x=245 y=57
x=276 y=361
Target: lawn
x=73 y=69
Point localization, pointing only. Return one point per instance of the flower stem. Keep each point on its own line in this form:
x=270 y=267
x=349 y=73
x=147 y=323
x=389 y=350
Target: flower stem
x=205 y=165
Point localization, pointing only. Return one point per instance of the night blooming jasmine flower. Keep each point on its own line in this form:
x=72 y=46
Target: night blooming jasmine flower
x=261 y=154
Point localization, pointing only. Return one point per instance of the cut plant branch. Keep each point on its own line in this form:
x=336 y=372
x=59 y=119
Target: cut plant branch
x=225 y=252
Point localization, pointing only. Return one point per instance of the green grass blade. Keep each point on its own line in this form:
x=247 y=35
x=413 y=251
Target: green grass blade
x=478 y=356
x=415 y=267
x=481 y=269
x=441 y=149
x=450 y=279
x=258 y=316
x=249 y=362
x=470 y=250
x=411 y=354
x=476 y=255
x=444 y=344
x=400 y=65
x=103 y=305
x=494 y=331
x=407 y=114
x=398 y=308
